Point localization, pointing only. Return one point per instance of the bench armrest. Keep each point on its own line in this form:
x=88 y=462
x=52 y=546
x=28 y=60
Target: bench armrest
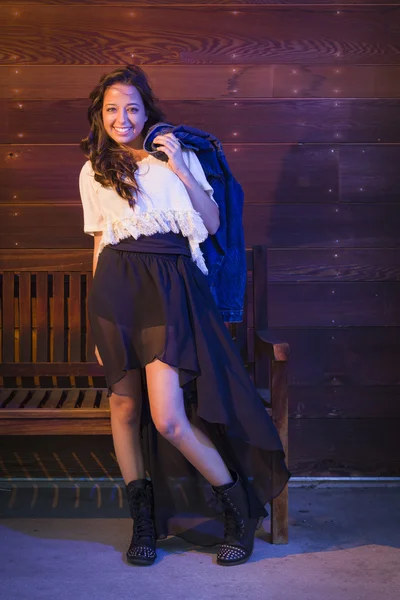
x=276 y=348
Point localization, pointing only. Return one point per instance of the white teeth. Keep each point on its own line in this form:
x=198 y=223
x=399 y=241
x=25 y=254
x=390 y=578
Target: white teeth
x=122 y=129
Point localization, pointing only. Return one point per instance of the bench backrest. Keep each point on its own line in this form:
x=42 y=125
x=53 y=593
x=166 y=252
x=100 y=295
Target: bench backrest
x=45 y=333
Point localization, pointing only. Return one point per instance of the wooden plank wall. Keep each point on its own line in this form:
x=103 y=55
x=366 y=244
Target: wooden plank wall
x=305 y=99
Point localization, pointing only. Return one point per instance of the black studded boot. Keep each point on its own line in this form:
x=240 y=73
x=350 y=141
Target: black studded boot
x=239 y=528
x=142 y=550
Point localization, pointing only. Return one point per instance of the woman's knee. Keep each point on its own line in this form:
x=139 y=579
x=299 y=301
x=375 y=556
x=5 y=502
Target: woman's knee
x=166 y=401
x=173 y=429
x=126 y=409
x=126 y=398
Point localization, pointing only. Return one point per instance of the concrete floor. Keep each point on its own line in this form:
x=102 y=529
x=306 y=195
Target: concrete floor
x=344 y=544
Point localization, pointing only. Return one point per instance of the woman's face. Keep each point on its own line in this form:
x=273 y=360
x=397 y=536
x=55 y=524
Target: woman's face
x=124 y=114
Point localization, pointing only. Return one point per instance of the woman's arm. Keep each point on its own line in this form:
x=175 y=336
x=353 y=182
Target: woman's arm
x=201 y=201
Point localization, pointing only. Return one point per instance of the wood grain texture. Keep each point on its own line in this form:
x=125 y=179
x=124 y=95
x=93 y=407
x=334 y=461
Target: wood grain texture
x=341 y=81
x=43 y=260
x=198 y=35
x=322 y=225
x=345 y=264
x=313 y=120
x=170 y=82
x=344 y=402
x=343 y=356
x=334 y=304
x=279 y=226
x=268 y=173
x=284 y=266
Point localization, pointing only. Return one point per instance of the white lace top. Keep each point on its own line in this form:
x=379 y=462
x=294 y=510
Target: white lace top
x=163 y=205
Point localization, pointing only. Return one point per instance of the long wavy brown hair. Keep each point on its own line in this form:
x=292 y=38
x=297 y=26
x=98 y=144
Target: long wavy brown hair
x=113 y=163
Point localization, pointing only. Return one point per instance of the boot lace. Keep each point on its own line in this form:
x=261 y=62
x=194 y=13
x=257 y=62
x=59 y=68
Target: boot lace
x=143 y=522
x=234 y=523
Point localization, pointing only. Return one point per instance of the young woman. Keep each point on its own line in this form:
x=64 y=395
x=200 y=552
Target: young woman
x=190 y=433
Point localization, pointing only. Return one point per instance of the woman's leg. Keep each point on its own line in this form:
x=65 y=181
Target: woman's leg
x=125 y=407
x=169 y=417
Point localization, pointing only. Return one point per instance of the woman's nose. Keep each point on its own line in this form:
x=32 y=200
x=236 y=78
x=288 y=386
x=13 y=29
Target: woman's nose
x=122 y=118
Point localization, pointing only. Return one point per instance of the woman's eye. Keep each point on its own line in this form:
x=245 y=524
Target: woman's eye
x=112 y=109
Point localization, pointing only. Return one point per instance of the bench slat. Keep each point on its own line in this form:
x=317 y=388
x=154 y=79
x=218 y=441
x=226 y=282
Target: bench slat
x=104 y=401
x=58 y=316
x=53 y=414
x=71 y=399
x=25 y=318
x=89 y=399
x=16 y=369
x=54 y=422
x=74 y=317
x=42 y=317
x=8 y=316
x=35 y=400
x=18 y=399
x=53 y=399
x=4 y=396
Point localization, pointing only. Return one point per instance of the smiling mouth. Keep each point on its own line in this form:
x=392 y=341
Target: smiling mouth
x=122 y=130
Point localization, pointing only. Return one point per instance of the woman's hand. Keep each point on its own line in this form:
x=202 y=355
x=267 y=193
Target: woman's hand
x=199 y=198
x=169 y=144
x=96 y=352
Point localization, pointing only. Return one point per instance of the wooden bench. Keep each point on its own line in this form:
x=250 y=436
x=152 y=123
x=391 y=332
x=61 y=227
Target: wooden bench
x=52 y=383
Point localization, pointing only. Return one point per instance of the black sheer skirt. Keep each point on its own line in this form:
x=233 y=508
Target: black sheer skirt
x=150 y=300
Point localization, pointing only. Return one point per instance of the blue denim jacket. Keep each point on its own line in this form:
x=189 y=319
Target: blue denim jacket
x=224 y=252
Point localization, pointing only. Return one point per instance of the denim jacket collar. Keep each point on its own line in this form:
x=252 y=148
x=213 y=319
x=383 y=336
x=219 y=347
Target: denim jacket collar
x=203 y=142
